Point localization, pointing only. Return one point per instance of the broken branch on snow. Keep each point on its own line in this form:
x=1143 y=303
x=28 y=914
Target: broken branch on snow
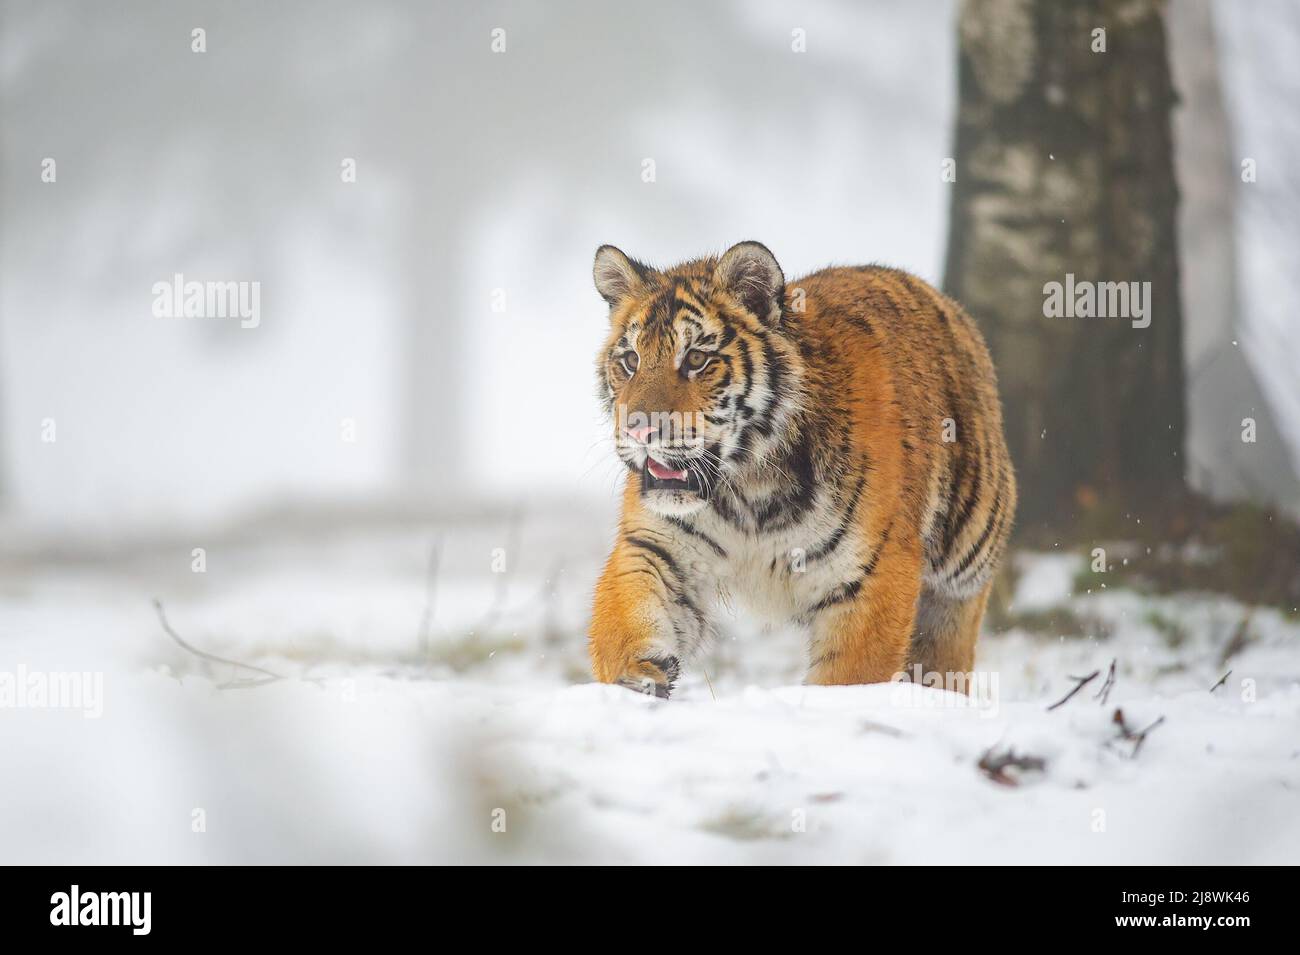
x=1104 y=693
x=1130 y=735
x=1080 y=683
x=996 y=765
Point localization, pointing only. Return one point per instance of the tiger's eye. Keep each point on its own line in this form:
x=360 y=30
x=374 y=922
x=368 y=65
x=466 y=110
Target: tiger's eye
x=630 y=361
x=695 y=360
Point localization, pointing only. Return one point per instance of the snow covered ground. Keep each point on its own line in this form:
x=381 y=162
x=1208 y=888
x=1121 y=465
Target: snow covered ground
x=449 y=717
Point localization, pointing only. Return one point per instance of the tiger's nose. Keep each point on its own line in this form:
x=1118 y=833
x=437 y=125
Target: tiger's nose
x=640 y=435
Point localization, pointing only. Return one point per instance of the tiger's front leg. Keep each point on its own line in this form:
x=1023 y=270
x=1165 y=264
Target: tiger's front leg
x=646 y=614
x=862 y=627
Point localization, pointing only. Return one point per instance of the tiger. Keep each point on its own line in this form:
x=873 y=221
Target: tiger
x=828 y=452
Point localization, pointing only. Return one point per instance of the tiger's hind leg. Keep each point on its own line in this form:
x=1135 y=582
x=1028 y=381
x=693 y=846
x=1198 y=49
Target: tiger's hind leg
x=944 y=636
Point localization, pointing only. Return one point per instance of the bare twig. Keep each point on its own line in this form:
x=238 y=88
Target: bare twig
x=1104 y=693
x=1222 y=680
x=1128 y=734
x=1240 y=638
x=430 y=598
x=267 y=675
x=551 y=633
x=870 y=726
x=995 y=765
x=503 y=579
x=1079 y=683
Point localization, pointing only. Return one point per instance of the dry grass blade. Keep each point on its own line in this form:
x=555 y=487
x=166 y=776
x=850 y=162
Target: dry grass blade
x=248 y=683
x=1104 y=693
x=204 y=655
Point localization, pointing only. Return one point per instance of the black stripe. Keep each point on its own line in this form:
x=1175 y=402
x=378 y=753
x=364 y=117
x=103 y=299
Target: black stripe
x=686 y=296
x=990 y=553
x=833 y=541
x=862 y=323
x=658 y=551
x=956 y=522
x=654 y=574
x=792 y=505
x=775 y=372
x=744 y=439
x=653 y=570
x=823 y=659
x=957 y=473
x=699 y=534
x=660 y=311
x=685 y=305
x=869 y=567
x=769 y=510
x=988 y=531
x=838 y=595
x=723 y=509
x=684 y=601
x=747 y=363
x=849 y=589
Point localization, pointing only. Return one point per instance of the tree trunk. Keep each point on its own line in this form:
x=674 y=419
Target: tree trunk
x=1065 y=166
x=1223 y=387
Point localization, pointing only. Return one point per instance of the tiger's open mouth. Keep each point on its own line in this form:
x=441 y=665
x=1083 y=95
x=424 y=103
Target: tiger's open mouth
x=657 y=476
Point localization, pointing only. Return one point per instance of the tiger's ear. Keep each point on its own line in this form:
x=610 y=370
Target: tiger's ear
x=616 y=275
x=749 y=271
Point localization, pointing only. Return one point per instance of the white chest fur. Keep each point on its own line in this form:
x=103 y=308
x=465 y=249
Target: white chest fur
x=778 y=575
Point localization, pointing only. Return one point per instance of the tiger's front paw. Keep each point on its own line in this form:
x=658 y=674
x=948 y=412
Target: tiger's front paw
x=646 y=669
x=653 y=676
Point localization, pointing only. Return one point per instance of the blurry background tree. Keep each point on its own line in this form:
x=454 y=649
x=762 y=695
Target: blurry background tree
x=1065 y=165
x=1239 y=285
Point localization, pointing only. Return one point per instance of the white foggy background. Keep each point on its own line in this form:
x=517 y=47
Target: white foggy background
x=503 y=170
x=475 y=171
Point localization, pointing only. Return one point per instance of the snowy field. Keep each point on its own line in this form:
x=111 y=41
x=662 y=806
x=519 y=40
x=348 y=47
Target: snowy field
x=436 y=711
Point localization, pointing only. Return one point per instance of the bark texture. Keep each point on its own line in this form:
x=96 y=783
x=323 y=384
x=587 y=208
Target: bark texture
x=1065 y=165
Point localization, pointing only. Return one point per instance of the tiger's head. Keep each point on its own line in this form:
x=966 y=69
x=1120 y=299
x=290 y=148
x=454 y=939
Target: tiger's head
x=698 y=373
